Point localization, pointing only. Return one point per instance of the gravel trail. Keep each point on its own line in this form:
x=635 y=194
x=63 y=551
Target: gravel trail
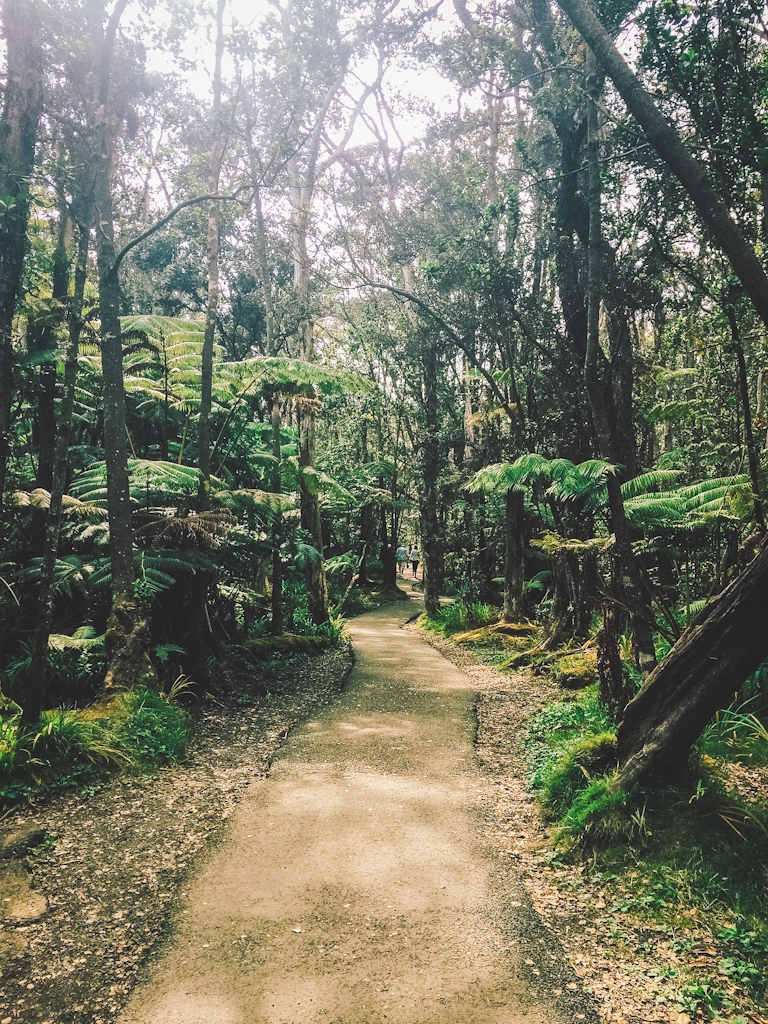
x=354 y=885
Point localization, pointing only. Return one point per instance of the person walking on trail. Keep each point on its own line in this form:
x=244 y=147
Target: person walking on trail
x=415 y=558
x=402 y=559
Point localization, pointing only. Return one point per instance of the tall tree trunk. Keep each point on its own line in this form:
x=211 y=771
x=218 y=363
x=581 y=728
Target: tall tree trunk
x=667 y=143
x=262 y=258
x=749 y=437
x=621 y=377
x=38 y=663
x=430 y=462
x=514 y=566
x=387 y=545
x=639 y=612
x=22 y=107
x=214 y=170
x=317 y=587
x=42 y=338
x=127 y=638
x=301 y=197
x=277 y=526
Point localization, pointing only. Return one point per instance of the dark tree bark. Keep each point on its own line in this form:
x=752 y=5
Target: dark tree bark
x=621 y=377
x=614 y=694
x=127 y=638
x=514 y=566
x=626 y=567
x=752 y=456
x=277 y=526
x=387 y=546
x=699 y=676
x=667 y=143
x=430 y=460
x=42 y=338
x=38 y=663
x=214 y=170
x=22 y=107
x=317 y=586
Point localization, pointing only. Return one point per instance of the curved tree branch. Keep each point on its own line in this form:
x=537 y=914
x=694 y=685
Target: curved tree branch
x=169 y=217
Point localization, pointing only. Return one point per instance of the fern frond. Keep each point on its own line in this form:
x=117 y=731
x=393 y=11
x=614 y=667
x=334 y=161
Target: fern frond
x=654 y=478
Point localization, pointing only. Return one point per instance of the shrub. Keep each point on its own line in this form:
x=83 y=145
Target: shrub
x=155 y=731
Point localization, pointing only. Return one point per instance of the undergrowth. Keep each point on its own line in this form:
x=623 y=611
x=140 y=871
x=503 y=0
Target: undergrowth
x=69 y=748
x=459 y=617
x=686 y=860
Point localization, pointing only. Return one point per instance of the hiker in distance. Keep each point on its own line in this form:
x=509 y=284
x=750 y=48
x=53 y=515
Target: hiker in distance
x=415 y=558
x=401 y=556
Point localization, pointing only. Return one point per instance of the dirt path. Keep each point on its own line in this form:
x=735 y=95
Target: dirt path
x=352 y=886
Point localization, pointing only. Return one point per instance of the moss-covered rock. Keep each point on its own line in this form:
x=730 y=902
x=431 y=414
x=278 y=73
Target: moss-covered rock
x=575 y=671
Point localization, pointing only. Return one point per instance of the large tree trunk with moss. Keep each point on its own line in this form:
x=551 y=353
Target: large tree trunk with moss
x=514 y=567
x=127 y=639
x=700 y=675
x=22 y=106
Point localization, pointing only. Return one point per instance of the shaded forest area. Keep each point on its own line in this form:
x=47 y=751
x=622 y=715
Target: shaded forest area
x=268 y=313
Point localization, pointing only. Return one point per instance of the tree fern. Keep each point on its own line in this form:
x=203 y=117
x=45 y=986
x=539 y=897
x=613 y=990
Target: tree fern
x=653 y=479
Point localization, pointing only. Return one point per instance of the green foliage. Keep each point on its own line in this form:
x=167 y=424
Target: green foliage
x=457 y=617
x=564 y=782
x=557 y=728
x=155 y=730
x=69 y=748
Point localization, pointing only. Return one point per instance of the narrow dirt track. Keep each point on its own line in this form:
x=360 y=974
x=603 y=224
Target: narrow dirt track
x=351 y=886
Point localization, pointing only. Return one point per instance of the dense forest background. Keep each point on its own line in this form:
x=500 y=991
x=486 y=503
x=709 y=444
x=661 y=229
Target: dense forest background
x=281 y=292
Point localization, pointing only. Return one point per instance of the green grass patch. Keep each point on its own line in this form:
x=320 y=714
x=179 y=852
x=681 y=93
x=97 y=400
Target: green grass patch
x=557 y=730
x=154 y=731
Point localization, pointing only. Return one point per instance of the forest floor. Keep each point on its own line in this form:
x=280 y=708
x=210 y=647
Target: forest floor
x=634 y=967
x=90 y=880
x=386 y=864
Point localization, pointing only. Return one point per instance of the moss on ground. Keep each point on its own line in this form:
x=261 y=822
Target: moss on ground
x=575 y=671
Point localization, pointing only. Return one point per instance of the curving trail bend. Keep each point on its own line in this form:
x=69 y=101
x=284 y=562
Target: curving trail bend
x=352 y=886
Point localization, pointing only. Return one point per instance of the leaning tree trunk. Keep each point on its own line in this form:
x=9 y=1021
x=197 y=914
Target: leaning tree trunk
x=662 y=136
x=22 y=106
x=514 y=567
x=699 y=676
x=127 y=639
